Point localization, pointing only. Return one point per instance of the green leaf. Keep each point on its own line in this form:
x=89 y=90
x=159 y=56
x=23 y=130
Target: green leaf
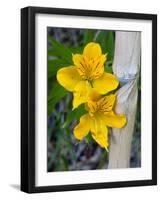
x=110 y=44
x=102 y=39
x=59 y=50
x=75 y=50
x=55 y=65
x=89 y=138
x=65 y=163
x=106 y=40
x=88 y=36
x=74 y=115
x=108 y=70
x=108 y=67
x=55 y=95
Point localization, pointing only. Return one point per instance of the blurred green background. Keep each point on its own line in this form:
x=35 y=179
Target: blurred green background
x=65 y=153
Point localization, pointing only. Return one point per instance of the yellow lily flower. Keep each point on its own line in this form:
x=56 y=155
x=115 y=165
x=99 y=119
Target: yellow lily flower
x=100 y=116
x=87 y=72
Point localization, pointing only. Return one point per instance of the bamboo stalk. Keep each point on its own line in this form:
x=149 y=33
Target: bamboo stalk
x=126 y=68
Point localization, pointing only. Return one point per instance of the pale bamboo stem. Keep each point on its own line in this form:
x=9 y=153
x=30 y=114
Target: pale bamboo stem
x=126 y=68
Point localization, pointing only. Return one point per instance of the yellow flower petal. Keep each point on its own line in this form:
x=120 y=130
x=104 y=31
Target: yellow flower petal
x=68 y=77
x=99 y=132
x=81 y=65
x=81 y=92
x=90 y=65
x=94 y=95
x=97 y=67
x=113 y=120
x=92 y=51
x=77 y=59
x=92 y=107
x=82 y=129
x=106 y=83
x=107 y=103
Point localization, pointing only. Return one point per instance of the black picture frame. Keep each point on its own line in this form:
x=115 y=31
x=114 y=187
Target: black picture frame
x=28 y=98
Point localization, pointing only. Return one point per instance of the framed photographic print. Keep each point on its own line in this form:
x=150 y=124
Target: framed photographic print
x=88 y=99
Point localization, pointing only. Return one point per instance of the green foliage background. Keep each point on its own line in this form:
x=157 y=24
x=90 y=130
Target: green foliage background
x=64 y=151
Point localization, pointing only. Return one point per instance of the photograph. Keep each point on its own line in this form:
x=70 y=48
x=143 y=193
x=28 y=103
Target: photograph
x=83 y=90
x=89 y=87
